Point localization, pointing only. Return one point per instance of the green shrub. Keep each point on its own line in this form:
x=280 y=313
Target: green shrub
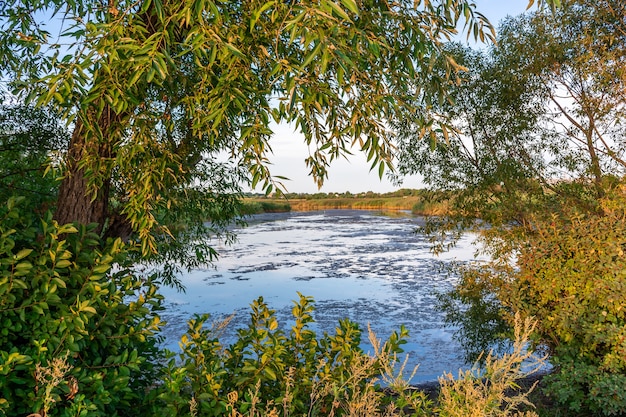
x=476 y=314
x=291 y=371
x=78 y=338
x=77 y=328
x=584 y=386
x=258 y=207
x=570 y=274
x=28 y=137
x=271 y=372
x=251 y=207
x=573 y=278
x=274 y=207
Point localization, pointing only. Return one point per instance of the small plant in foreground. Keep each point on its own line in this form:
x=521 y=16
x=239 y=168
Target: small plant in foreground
x=78 y=339
x=292 y=371
x=77 y=336
x=486 y=391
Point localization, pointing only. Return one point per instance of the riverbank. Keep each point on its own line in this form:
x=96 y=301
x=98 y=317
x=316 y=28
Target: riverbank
x=418 y=202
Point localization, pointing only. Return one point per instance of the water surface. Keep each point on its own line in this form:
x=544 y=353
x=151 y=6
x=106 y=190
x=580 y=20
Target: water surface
x=369 y=267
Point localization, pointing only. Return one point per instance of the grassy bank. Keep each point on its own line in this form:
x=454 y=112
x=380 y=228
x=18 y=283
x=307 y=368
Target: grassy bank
x=419 y=202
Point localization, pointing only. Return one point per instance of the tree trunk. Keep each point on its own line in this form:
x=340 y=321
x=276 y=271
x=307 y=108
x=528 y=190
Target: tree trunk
x=76 y=202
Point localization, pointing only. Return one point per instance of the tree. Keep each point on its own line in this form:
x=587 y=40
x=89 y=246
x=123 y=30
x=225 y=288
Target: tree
x=169 y=104
x=497 y=147
x=580 y=63
x=154 y=88
x=535 y=163
x=543 y=107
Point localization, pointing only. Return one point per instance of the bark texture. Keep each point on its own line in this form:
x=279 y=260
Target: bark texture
x=77 y=201
x=74 y=204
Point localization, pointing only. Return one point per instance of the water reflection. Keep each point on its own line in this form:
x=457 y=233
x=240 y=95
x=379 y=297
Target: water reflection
x=369 y=267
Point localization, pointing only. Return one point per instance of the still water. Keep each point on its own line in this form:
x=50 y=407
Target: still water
x=367 y=266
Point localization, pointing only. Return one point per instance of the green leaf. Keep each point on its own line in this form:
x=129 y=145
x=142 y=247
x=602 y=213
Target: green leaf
x=337 y=8
x=64 y=263
x=22 y=254
x=351 y=5
x=23 y=268
x=37 y=309
x=311 y=55
x=257 y=14
x=66 y=229
x=101 y=269
x=234 y=50
x=270 y=373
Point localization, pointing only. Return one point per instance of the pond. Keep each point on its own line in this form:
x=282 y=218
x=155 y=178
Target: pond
x=367 y=266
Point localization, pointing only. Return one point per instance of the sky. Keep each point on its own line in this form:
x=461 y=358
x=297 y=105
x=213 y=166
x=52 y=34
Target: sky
x=289 y=150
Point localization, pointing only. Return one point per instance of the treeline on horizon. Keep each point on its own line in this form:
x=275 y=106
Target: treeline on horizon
x=419 y=201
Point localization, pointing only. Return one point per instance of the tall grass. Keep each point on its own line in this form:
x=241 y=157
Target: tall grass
x=493 y=390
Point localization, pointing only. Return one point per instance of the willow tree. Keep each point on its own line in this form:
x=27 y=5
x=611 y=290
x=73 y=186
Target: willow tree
x=158 y=91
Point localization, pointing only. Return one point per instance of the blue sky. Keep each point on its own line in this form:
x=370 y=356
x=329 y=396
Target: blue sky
x=353 y=175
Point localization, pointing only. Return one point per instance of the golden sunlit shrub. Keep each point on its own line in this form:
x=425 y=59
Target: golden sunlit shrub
x=572 y=277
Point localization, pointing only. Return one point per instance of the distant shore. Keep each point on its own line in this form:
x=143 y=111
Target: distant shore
x=418 y=202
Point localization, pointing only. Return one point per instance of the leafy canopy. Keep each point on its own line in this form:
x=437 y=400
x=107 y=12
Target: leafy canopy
x=29 y=138
x=532 y=117
x=155 y=87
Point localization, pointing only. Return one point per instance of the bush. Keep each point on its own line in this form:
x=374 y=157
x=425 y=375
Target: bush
x=292 y=373
x=257 y=207
x=29 y=136
x=270 y=372
x=573 y=278
x=77 y=335
x=569 y=273
x=476 y=313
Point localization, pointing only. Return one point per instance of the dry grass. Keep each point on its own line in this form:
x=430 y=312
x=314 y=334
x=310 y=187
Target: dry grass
x=490 y=391
x=48 y=378
x=358 y=395
x=493 y=389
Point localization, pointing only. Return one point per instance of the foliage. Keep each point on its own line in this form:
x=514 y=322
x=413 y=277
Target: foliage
x=573 y=278
x=156 y=92
x=206 y=212
x=269 y=372
x=294 y=372
x=578 y=63
x=29 y=138
x=542 y=109
x=79 y=338
x=494 y=158
x=257 y=206
x=537 y=165
x=156 y=88
x=478 y=314
x=75 y=330
x=570 y=276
